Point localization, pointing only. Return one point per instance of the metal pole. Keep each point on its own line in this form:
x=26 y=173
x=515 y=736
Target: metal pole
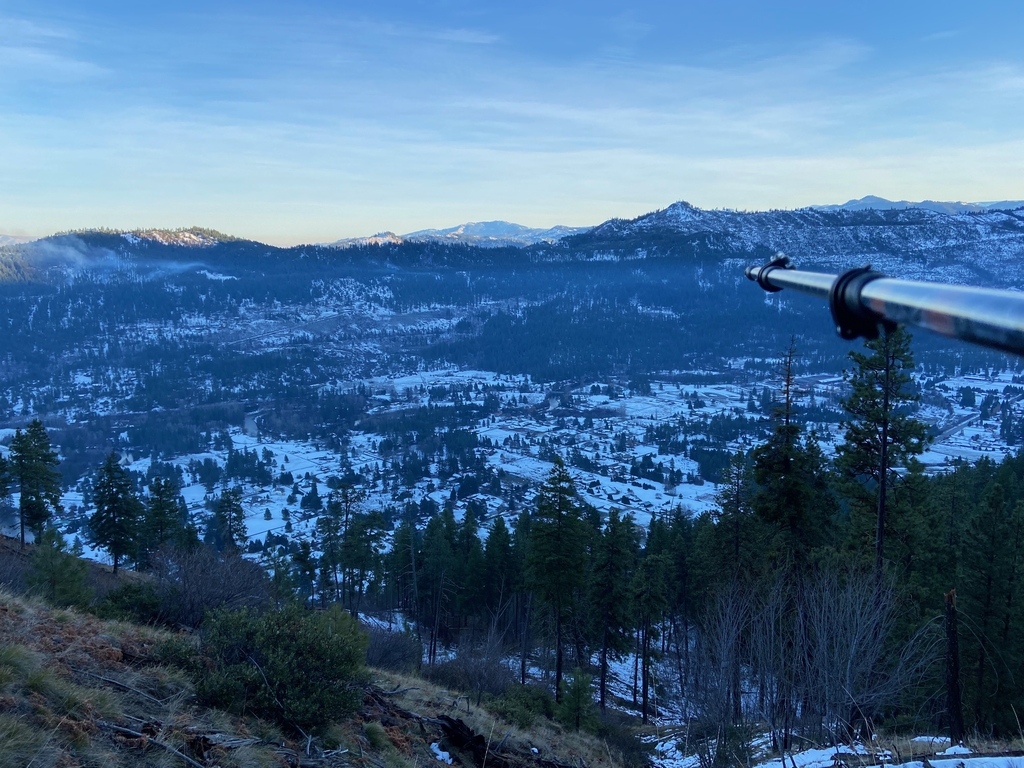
x=861 y=300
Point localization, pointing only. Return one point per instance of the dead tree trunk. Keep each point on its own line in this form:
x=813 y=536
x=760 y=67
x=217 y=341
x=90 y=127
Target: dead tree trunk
x=954 y=705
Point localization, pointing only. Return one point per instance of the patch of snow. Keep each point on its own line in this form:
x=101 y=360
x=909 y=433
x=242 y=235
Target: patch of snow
x=441 y=755
x=956 y=749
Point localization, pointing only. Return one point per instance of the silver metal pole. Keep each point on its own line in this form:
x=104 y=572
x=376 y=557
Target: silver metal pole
x=861 y=300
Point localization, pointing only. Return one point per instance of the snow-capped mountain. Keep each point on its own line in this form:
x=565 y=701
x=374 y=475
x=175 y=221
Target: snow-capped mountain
x=496 y=233
x=881 y=204
x=14 y=240
x=971 y=247
x=486 y=234
x=381 y=238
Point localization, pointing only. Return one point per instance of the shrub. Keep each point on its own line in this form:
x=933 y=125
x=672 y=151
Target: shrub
x=190 y=582
x=180 y=652
x=298 y=667
x=577 y=707
x=622 y=740
x=478 y=670
x=521 y=705
x=131 y=602
x=395 y=651
x=58 y=576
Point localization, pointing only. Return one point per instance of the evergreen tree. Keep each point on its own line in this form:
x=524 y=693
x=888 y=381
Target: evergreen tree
x=226 y=528
x=311 y=502
x=33 y=465
x=438 y=566
x=577 y=701
x=791 y=494
x=360 y=553
x=729 y=540
x=649 y=604
x=5 y=478
x=329 y=528
x=470 y=576
x=162 y=521
x=115 y=523
x=305 y=565
x=992 y=558
x=558 y=556
x=499 y=580
x=56 y=574
x=881 y=435
x=609 y=591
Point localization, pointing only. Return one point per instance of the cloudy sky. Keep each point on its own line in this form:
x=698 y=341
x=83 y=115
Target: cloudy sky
x=310 y=121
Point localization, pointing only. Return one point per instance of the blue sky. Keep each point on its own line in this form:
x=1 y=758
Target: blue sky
x=305 y=121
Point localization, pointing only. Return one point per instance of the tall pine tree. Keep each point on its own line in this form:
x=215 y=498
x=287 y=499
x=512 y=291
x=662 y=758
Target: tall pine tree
x=881 y=433
x=610 y=591
x=33 y=466
x=115 y=523
x=557 y=558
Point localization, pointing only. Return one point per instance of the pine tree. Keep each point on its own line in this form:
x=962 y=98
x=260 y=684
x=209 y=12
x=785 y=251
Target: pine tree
x=471 y=566
x=305 y=565
x=499 y=568
x=329 y=527
x=56 y=574
x=33 y=465
x=226 y=529
x=162 y=521
x=649 y=603
x=881 y=435
x=5 y=478
x=115 y=523
x=558 y=556
x=609 y=591
x=438 y=565
x=360 y=553
x=577 y=700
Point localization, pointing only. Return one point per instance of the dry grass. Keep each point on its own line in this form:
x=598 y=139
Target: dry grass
x=64 y=675
x=549 y=738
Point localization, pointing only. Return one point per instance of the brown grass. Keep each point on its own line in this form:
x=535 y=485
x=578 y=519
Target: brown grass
x=64 y=674
x=549 y=738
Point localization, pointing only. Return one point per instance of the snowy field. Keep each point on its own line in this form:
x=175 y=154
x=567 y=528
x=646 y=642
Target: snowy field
x=610 y=430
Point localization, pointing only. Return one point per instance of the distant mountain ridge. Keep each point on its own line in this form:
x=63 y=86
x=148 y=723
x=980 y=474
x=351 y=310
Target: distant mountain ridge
x=872 y=202
x=485 y=234
x=984 y=246
x=14 y=240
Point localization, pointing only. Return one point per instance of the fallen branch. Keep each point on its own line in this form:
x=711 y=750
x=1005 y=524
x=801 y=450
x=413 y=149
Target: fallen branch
x=117 y=683
x=148 y=740
x=398 y=691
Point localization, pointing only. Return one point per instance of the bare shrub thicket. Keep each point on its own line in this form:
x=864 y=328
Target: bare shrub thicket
x=477 y=669
x=394 y=651
x=14 y=568
x=190 y=582
x=812 y=657
x=718 y=694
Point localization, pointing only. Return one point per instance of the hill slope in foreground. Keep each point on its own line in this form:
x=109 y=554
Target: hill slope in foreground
x=76 y=690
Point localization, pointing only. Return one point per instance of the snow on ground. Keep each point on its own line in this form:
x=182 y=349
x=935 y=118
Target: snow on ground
x=604 y=424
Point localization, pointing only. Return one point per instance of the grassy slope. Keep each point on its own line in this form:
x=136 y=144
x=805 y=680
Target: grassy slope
x=67 y=677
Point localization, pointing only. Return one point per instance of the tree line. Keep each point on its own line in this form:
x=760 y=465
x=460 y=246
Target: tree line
x=824 y=597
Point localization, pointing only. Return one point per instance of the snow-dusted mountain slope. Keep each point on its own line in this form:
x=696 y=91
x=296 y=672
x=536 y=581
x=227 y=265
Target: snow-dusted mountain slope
x=881 y=204
x=985 y=247
x=14 y=239
x=495 y=233
x=485 y=234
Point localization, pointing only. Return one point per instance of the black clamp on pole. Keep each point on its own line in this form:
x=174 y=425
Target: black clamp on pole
x=760 y=274
x=852 y=318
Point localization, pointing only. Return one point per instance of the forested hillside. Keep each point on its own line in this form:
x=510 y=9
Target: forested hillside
x=603 y=482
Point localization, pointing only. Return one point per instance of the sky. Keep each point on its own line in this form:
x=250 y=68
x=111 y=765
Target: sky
x=312 y=121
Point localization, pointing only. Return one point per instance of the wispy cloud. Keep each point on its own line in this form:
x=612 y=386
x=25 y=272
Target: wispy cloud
x=306 y=128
